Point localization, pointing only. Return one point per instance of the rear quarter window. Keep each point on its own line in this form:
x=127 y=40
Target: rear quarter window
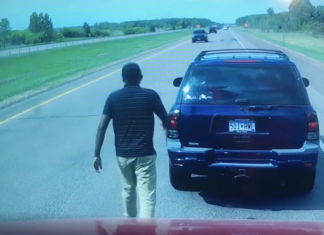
x=199 y=32
x=260 y=84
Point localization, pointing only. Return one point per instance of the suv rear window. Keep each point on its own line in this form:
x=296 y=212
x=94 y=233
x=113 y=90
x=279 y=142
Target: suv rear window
x=258 y=83
x=199 y=32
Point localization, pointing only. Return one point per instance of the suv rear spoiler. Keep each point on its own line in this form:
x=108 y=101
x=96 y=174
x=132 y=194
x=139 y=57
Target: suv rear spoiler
x=238 y=51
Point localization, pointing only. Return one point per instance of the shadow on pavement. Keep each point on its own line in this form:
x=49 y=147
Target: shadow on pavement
x=248 y=195
x=259 y=195
x=242 y=195
x=201 y=42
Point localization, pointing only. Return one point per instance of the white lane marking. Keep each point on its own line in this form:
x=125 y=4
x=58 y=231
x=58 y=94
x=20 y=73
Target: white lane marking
x=317 y=99
x=233 y=34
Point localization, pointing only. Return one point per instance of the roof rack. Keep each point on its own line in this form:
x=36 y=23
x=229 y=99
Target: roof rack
x=237 y=51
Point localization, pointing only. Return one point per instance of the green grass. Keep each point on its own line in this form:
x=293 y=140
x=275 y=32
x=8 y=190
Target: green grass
x=302 y=43
x=50 y=68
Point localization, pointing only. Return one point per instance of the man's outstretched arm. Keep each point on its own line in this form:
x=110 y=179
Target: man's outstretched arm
x=101 y=132
x=160 y=111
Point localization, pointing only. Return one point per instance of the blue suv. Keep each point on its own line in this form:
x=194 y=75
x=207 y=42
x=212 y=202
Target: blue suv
x=239 y=112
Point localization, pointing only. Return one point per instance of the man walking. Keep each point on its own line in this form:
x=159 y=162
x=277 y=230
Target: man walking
x=132 y=110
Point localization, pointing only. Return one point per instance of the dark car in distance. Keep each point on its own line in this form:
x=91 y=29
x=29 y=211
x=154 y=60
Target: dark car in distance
x=199 y=35
x=212 y=29
x=241 y=113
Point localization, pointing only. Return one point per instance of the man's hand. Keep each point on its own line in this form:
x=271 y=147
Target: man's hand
x=97 y=164
x=163 y=128
x=105 y=119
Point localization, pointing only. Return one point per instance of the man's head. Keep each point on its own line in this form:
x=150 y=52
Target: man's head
x=132 y=74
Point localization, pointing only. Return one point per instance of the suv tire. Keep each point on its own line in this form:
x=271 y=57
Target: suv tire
x=179 y=178
x=193 y=41
x=306 y=181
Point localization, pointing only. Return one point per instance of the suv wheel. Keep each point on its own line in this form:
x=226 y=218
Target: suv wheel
x=306 y=181
x=179 y=178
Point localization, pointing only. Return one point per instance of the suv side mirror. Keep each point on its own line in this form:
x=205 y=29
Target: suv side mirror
x=306 y=82
x=177 y=81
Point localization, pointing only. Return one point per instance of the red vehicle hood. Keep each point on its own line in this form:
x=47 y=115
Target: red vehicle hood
x=114 y=226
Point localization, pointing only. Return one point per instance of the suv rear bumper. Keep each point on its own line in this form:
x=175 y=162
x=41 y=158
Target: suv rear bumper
x=202 y=38
x=202 y=161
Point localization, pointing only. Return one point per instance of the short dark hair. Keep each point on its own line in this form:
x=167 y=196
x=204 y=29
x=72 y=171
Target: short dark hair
x=132 y=73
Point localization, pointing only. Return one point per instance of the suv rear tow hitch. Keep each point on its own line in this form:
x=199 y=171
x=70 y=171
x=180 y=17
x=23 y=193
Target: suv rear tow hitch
x=241 y=174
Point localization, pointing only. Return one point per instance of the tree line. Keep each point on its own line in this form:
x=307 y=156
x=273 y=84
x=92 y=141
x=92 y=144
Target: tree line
x=134 y=27
x=168 y=24
x=301 y=16
x=41 y=29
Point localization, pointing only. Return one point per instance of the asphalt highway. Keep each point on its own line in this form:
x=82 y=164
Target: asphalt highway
x=47 y=145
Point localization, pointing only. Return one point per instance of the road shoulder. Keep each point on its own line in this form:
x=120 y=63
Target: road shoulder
x=240 y=35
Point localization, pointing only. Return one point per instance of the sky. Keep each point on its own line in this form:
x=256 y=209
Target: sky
x=66 y=13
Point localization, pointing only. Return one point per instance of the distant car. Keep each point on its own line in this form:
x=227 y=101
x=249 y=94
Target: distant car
x=241 y=113
x=212 y=29
x=225 y=28
x=199 y=35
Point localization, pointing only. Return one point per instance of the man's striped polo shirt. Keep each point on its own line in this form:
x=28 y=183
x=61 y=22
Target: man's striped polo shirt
x=132 y=110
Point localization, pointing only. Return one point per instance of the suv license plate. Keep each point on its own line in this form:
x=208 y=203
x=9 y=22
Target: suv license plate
x=242 y=126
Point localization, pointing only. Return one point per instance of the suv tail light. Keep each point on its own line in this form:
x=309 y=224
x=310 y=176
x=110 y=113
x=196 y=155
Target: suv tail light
x=312 y=126
x=173 y=124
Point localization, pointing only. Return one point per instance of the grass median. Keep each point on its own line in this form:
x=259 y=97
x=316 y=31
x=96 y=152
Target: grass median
x=36 y=72
x=302 y=43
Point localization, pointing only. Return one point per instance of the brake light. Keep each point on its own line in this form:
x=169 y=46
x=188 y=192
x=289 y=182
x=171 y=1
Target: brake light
x=312 y=126
x=242 y=61
x=173 y=124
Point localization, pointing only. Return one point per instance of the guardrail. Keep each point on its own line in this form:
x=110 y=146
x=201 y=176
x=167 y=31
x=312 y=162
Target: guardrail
x=59 y=45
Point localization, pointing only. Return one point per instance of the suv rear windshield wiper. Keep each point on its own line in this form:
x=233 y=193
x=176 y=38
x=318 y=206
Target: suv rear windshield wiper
x=270 y=107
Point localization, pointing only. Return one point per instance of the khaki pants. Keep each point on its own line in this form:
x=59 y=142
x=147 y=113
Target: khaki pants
x=138 y=172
